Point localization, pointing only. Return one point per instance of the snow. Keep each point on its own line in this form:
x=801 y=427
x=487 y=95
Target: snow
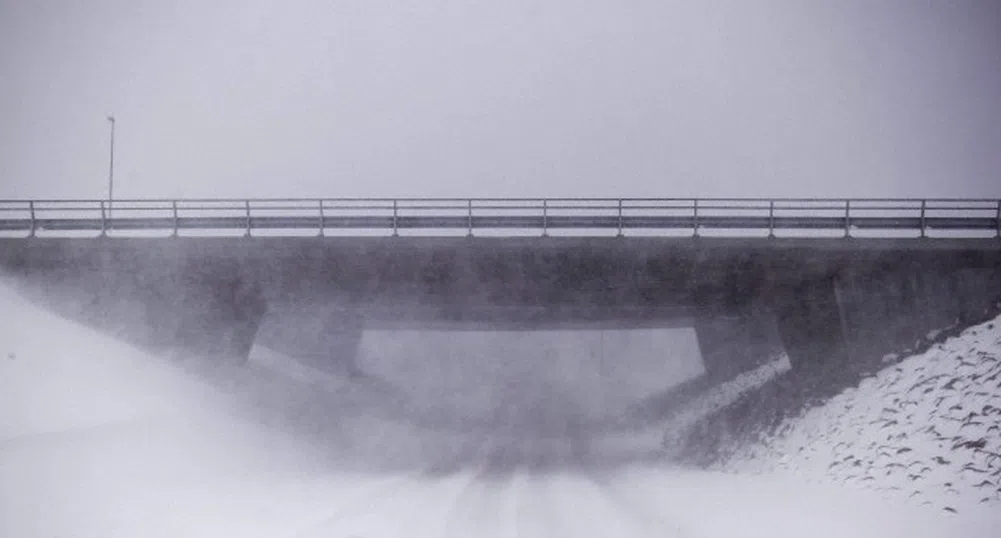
x=927 y=429
x=688 y=415
x=101 y=439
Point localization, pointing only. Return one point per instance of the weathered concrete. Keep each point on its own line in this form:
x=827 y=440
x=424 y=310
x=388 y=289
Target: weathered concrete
x=541 y=381
x=810 y=324
x=323 y=338
x=209 y=293
x=738 y=342
x=155 y=299
x=218 y=314
x=893 y=310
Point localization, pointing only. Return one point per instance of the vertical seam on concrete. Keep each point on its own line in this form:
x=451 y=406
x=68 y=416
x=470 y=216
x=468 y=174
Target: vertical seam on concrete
x=839 y=299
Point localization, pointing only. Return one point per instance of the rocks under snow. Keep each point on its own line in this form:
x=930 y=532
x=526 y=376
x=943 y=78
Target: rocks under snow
x=927 y=428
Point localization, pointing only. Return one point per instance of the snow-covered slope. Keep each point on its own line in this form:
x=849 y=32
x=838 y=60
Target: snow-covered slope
x=58 y=376
x=99 y=439
x=927 y=429
x=682 y=419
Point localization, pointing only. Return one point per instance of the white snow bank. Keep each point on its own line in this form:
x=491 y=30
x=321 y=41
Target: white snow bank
x=98 y=438
x=56 y=375
x=927 y=429
x=703 y=504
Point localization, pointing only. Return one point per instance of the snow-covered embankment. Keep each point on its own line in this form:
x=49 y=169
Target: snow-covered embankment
x=927 y=428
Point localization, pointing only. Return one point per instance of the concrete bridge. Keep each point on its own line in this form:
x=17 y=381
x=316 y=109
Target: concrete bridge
x=835 y=282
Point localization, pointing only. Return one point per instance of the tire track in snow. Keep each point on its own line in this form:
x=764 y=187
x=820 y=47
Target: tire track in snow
x=355 y=504
x=416 y=510
x=535 y=509
x=474 y=511
x=652 y=520
x=584 y=511
x=374 y=499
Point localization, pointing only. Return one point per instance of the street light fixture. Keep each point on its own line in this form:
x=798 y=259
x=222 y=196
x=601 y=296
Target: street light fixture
x=111 y=166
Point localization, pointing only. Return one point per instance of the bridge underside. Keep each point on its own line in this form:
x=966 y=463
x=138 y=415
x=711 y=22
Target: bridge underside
x=829 y=301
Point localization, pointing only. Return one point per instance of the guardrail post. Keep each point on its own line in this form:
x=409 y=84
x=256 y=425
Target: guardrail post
x=469 y=215
x=998 y=219
x=173 y=210
x=923 y=233
x=246 y=231
x=695 y=214
x=848 y=219
x=620 y=217
x=771 y=219
x=320 y=231
x=545 y=218
x=104 y=221
x=396 y=230
x=31 y=212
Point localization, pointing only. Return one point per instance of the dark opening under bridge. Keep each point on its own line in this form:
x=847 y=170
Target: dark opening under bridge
x=838 y=282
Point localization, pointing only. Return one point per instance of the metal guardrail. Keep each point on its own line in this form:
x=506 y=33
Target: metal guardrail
x=598 y=216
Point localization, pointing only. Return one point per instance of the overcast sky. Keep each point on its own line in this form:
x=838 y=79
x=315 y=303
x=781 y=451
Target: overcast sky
x=501 y=98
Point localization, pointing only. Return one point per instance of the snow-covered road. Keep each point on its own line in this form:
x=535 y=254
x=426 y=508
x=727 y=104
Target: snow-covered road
x=142 y=480
x=98 y=439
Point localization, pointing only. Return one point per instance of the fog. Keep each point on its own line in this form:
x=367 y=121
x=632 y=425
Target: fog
x=470 y=430
x=98 y=438
x=377 y=98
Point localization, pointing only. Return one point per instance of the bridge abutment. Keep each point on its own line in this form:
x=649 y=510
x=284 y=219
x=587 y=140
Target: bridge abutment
x=851 y=320
x=811 y=325
x=156 y=299
x=736 y=342
x=324 y=338
x=217 y=316
x=901 y=307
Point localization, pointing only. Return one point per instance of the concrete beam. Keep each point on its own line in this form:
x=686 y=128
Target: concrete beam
x=170 y=292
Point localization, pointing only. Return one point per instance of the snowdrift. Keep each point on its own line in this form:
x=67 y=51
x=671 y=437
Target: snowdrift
x=927 y=429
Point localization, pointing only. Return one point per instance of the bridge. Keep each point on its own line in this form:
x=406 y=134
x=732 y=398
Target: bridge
x=836 y=283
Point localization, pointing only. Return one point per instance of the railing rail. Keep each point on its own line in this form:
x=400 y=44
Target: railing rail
x=770 y=217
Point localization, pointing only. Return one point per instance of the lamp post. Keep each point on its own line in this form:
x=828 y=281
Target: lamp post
x=111 y=166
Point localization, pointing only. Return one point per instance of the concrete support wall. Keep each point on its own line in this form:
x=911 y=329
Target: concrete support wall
x=735 y=343
x=894 y=310
x=850 y=321
x=217 y=316
x=214 y=314
x=810 y=325
x=540 y=381
x=323 y=338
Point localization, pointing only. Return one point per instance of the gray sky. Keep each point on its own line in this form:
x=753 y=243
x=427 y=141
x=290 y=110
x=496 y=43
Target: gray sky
x=513 y=98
